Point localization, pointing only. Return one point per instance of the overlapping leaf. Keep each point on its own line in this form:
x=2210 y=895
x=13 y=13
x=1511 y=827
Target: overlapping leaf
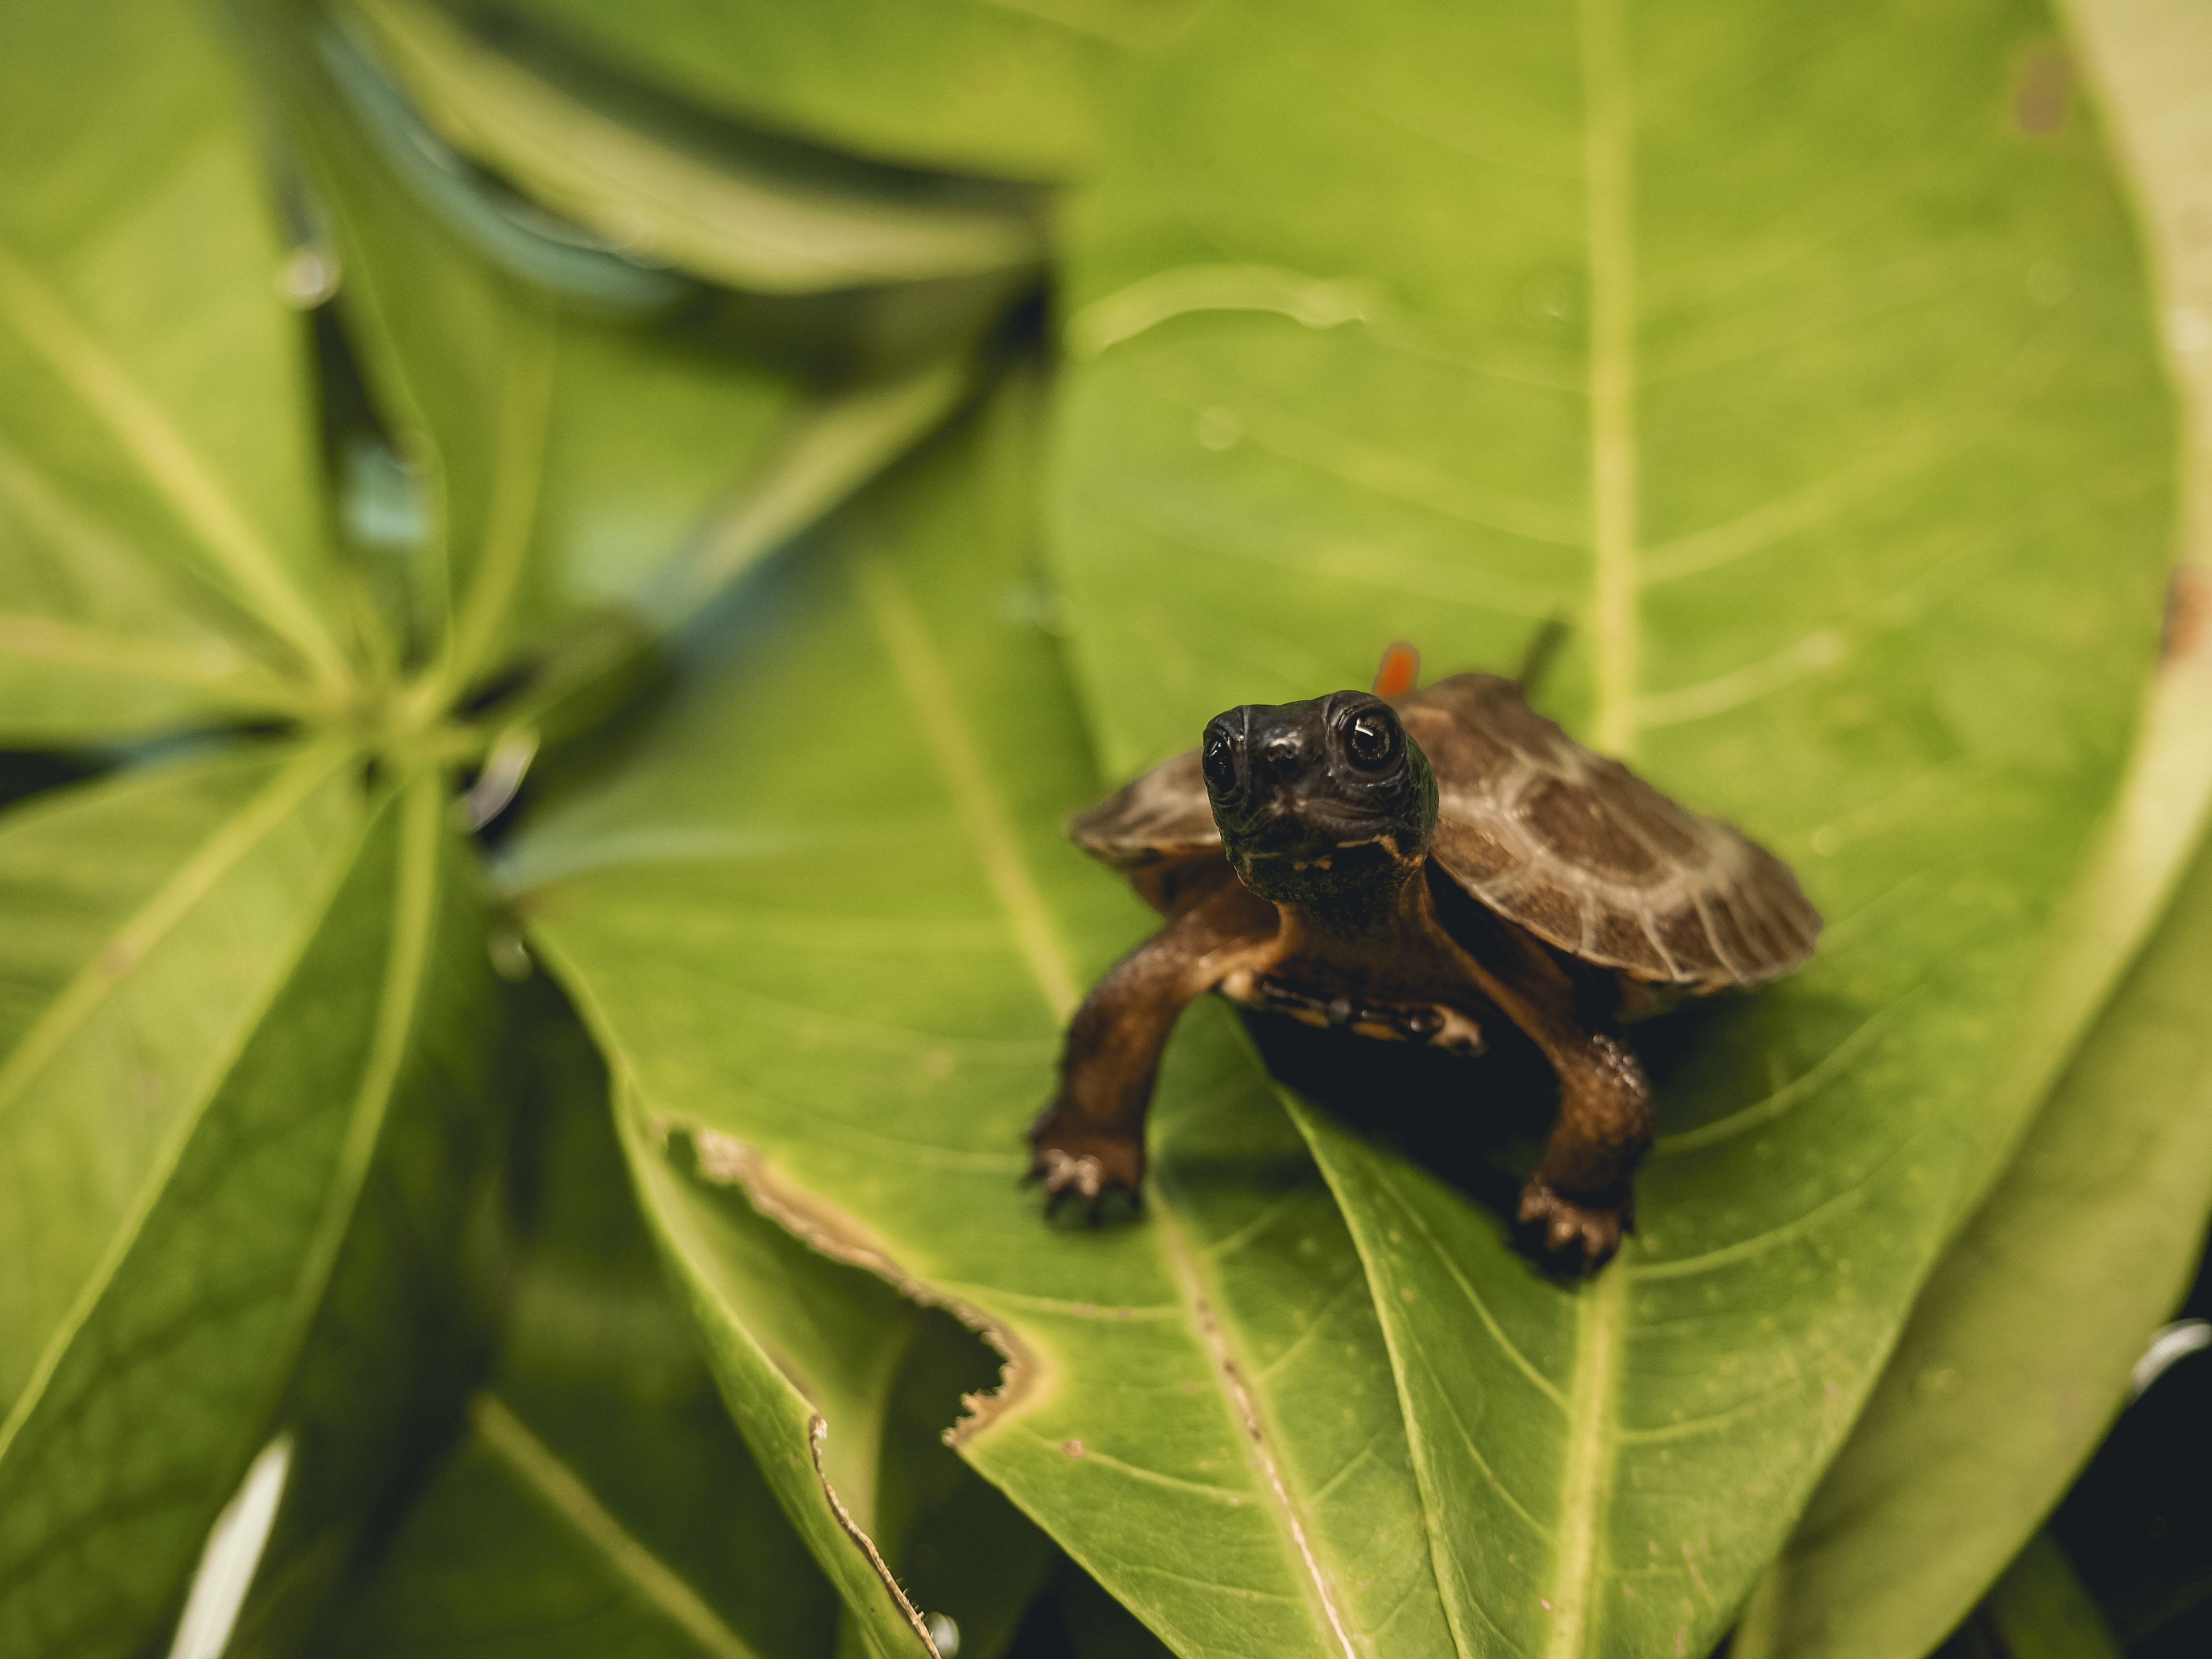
x=1011 y=91
x=1982 y=1418
x=738 y=207
x=1710 y=357
x=588 y=440
x=188 y=1150
x=158 y=521
x=596 y=1497
x=840 y=967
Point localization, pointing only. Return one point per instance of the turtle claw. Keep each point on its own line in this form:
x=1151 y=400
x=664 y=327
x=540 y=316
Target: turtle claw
x=1080 y=1162
x=1576 y=1238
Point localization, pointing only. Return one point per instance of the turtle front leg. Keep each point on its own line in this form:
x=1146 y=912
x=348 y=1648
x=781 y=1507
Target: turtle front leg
x=1090 y=1140
x=1579 y=1201
x=1579 y=1198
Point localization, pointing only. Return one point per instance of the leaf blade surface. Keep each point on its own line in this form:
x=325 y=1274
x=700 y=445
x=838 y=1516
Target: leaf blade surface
x=1639 y=339
x=155 y=485
x=880 y=1029
x=156 y=1391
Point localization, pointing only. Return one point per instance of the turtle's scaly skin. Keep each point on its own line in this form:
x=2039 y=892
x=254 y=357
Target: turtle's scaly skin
x=1485 y=863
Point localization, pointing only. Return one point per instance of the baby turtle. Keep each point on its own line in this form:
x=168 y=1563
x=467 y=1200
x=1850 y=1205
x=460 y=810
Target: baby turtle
x=1409 y=867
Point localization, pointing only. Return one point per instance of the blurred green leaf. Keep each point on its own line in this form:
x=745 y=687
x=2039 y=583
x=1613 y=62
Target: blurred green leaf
x=2040 y=1610
x=458 y=356
x=1015 y=91
x=1982 y=1418
x=596 y=1498
x=837 y=973
x=186 y=1241
x=960 y=1549
x=1098 y=1626
x=594 y=479
x=150 y=918
x=753 y=215
x=2018 y=1352
x=158 y=518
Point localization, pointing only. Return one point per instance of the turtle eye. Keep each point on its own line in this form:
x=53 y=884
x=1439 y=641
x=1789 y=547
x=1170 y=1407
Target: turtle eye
x=1371 y=740
x=1219 y=763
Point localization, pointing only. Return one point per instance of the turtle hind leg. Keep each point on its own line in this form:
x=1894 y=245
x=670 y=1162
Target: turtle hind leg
x=1089 y=1141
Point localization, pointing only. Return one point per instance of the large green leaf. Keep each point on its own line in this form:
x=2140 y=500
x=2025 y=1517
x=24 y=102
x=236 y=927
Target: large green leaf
x=399 y=1335
x=158 y=524
x=762 y=214
x=459 y=351
x=834 y=974
x=1803 y=368
x=150 y=918
x=1982 y=1417
x=215 y=1193
x=597 y=1498
x=597 y=466
x=2018 y=1353
x=1011 y=90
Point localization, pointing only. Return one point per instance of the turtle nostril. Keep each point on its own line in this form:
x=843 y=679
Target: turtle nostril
x=1281 y=755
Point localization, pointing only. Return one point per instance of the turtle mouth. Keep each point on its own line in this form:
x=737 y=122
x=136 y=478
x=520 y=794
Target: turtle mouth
x=1295 y=831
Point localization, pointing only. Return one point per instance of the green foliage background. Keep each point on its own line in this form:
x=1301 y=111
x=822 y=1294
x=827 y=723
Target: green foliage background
x=808 y=452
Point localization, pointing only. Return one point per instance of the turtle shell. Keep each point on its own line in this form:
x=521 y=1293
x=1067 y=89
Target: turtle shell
x=1571 y=846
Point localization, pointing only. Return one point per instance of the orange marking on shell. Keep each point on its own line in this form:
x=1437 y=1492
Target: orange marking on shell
x=1400 y=672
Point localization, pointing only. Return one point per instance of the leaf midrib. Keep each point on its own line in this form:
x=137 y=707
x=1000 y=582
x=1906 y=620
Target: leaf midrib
x=558 y=1487
x=922 y=678
x=1601 y=1308
x=216 y=670
x=170 y=465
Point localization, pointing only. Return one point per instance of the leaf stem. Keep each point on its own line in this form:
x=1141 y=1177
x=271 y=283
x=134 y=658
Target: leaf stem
x=1608 y=178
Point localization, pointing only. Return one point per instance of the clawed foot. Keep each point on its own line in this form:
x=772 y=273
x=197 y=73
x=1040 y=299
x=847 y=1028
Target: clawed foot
x=1576 y=1238
x=1078 y=1161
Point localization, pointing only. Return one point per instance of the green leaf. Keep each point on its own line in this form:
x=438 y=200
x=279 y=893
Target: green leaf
x=752 y=215
x=151 y=918
x=214 y=1203
x=838 y=970
x=159 y=525
x=399 y=1335
x=959 y=1549
x=1981 y=1419
x=595 y=476
x=1787 y=372
x=1986 y=1412
x=806 y=1360
x=1013 y=91
x=2041 y=1610
x=459 y=354
x=596 y=1497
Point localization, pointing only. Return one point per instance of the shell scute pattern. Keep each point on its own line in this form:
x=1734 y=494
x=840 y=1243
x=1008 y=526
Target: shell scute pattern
x=1590 y=858
x=1571 y=846
x=1162 y=814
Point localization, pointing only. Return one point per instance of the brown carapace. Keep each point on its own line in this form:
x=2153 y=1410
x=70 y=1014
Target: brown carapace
x=1411 y=867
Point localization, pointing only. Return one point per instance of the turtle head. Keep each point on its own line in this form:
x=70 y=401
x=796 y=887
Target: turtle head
x=1324 y=804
